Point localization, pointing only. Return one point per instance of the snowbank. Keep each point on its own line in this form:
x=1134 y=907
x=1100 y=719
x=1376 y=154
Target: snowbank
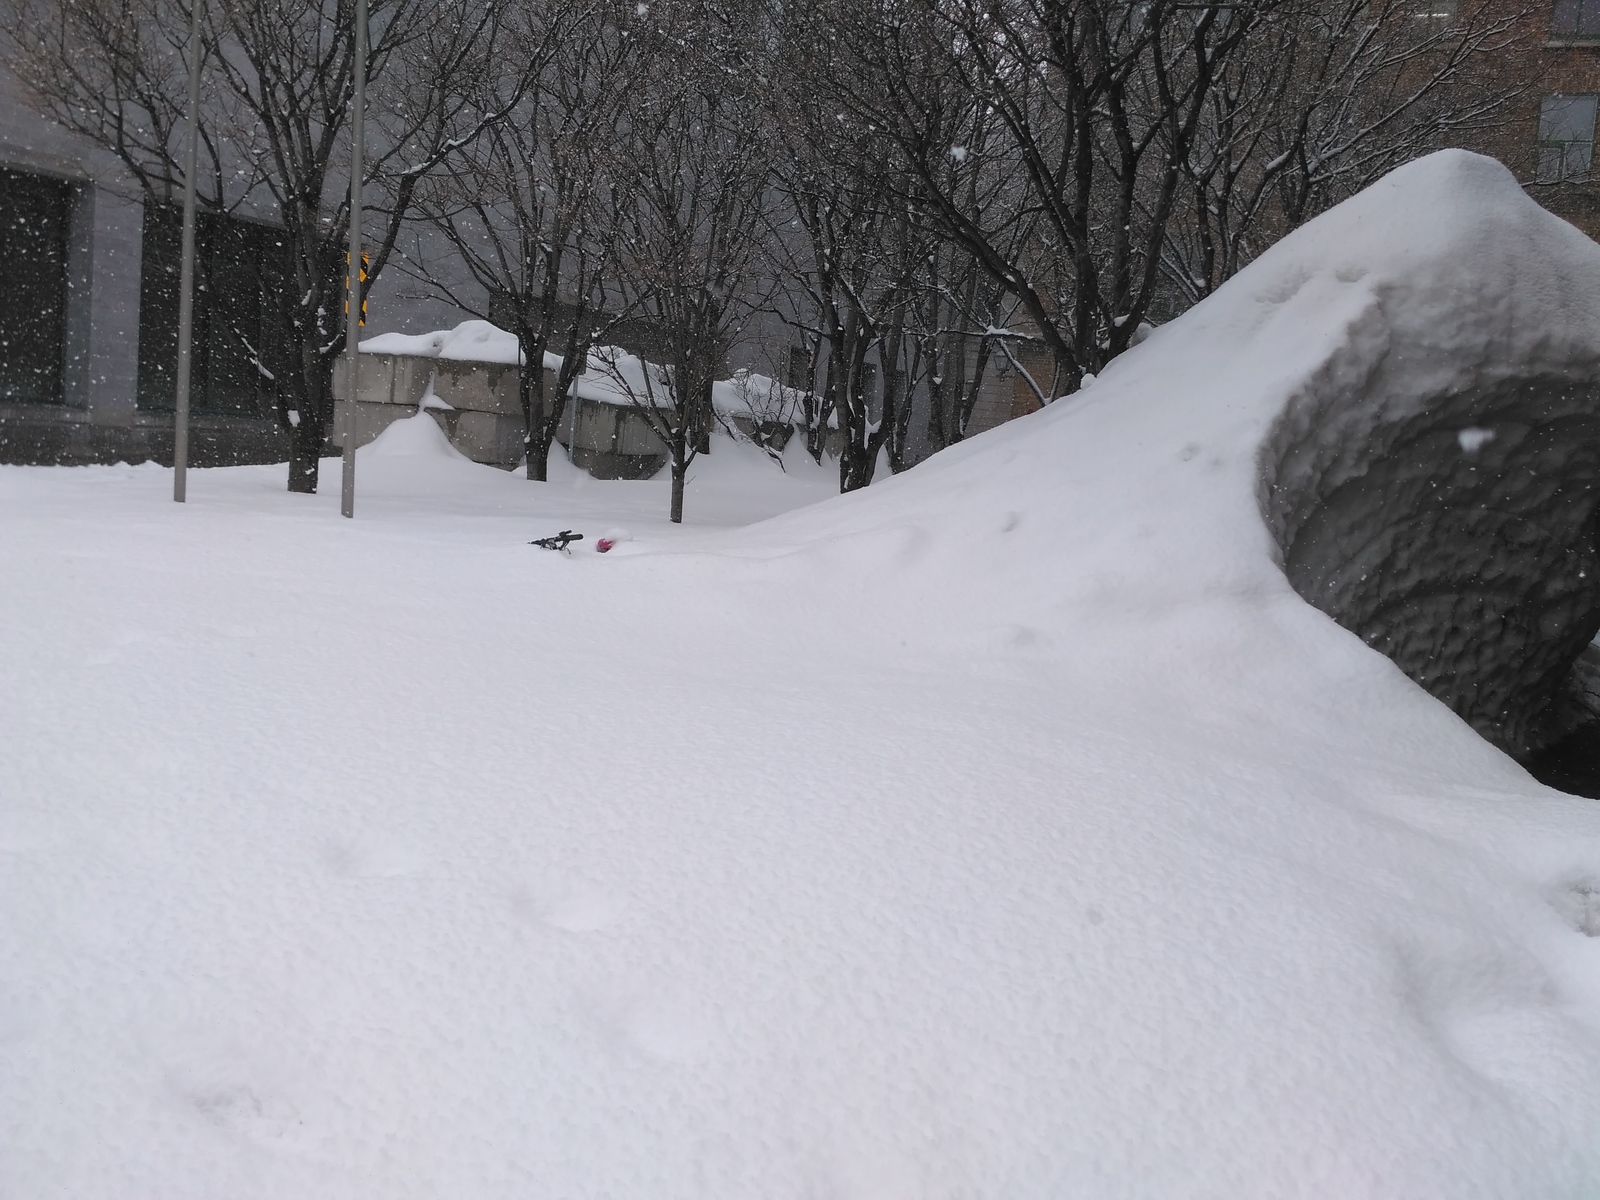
x=1011 y=828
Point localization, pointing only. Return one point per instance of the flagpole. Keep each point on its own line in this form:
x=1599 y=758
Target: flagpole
x=352 y=334
x=180 y=420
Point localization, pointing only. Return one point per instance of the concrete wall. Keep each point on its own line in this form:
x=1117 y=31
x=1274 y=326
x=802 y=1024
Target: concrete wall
x=484 y=420
x=97 y=419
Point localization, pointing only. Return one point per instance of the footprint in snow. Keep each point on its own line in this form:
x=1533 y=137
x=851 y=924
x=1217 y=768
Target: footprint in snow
x=373 y=857
x=1015 y=637
x=1579 y=905
x=662 y=1023
x=580 y=907
x=238 y=1092
x=1491 y=1005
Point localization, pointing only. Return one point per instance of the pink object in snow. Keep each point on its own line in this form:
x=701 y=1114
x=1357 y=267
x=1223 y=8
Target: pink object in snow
x=604 y=544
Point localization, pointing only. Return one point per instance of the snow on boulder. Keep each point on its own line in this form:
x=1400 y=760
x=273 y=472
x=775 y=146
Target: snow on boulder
x=1432 y=486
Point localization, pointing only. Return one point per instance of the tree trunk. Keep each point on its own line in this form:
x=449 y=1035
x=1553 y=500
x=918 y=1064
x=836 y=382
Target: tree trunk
x=705 y=418
x=855 y=465
x=305 y=454
x=537 y=443
x=680 y=469
x=816 y=431
x=536 y=429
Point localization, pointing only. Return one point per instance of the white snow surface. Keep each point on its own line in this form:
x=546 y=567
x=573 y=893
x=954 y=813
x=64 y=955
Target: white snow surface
x=1009 y=829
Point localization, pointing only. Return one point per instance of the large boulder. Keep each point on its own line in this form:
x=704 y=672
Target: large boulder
x=1457 y=536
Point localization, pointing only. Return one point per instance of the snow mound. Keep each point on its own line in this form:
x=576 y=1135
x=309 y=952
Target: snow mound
x=410 y=438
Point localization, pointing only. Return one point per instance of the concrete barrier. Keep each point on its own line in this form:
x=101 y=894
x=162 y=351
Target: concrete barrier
x=484 y=421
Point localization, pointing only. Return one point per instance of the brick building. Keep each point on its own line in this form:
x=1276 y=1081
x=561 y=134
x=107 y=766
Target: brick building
x=1548 y=138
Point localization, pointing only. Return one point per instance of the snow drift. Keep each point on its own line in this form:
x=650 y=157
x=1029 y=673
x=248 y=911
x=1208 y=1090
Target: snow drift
x=1012 y=828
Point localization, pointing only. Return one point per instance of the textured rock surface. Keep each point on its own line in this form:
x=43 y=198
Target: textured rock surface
x=1455 y=533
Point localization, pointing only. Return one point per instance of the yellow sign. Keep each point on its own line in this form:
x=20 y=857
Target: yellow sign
x=366 y=261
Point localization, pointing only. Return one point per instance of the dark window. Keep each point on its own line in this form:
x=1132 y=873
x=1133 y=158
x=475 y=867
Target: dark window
x=239 y=322
x=1576 y=18
x=1566 y=138
x=33 y=300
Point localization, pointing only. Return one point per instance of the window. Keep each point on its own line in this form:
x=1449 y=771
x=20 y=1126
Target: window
x=33 y=303
x=239 y=322
x=1433 y=16
x=1576 y=19
x=1566 y=138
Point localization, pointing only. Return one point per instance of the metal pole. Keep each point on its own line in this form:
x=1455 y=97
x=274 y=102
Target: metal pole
x=352 y=326
x=180 y=420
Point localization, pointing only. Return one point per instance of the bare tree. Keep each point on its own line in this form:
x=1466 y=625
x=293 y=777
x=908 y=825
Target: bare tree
x=274 y=126
x=1319 y=102
x=530 y=205
x=1105 y=162
x=691 y=213
x=861 y=269
x=954 y=343
x=1065 y=122
x=847 y=287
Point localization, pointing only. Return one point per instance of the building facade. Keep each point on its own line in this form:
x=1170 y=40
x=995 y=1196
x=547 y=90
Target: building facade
x=1549 y=140
x=88 y=318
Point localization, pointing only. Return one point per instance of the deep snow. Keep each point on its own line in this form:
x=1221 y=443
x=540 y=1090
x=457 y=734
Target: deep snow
x=1010 y=829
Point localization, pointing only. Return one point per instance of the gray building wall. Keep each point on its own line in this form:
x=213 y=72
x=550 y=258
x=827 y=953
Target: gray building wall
x=100 y=351
x=99 y=419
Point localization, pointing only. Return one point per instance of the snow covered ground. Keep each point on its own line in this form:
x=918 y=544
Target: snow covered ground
x=1009 y=829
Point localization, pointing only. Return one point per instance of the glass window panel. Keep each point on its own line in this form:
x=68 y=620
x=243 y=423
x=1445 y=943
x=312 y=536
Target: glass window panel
x=1575 y=164
x=1549 y=164
x=1567 y=119
x=33 y=302
x=238 y=317
x=1575 y=18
